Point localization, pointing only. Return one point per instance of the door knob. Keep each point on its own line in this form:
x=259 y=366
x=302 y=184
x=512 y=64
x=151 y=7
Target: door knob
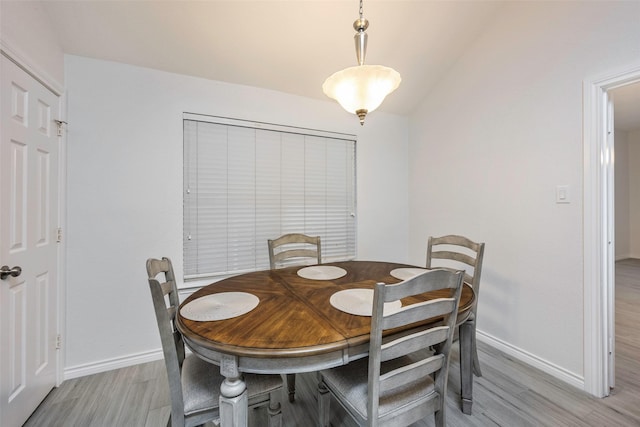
x=5 y=271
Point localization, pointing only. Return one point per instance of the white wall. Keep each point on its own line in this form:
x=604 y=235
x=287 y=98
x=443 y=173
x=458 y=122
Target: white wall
x=622 y=201
x=633 y=139
x=487 y=149
x=25 y=30
x=125 y=191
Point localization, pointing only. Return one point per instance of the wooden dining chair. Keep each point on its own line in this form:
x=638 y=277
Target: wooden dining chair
x=458 y=252
x=291 y=249
x=398 y=384
x=194 y=384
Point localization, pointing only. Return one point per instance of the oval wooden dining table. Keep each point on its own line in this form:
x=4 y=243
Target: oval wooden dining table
x=294 y=328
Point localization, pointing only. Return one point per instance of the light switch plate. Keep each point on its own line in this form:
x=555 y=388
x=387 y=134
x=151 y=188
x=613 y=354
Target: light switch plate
x=563 y=194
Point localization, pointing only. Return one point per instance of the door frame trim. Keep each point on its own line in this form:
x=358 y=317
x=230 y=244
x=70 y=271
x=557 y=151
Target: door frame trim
x=23 y=61
x=29 y=67
x=598 y=218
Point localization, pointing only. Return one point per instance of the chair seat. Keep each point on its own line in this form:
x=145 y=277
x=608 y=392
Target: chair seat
x=349 y=383
x=201 y=384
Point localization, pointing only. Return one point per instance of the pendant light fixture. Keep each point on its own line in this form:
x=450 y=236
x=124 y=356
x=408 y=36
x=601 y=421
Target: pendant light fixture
x=361 y=89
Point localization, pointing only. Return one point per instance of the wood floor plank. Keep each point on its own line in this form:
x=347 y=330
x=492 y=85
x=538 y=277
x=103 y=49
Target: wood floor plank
x=106 y=415
x=604 y=417
x=158 y=417
x=138 y=400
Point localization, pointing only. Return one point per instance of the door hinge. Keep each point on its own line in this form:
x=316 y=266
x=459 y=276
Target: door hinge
x=59 y=235
x=58 y=342
x=60 y=124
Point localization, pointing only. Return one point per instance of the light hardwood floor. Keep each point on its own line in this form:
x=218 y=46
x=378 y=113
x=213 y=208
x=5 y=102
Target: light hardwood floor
x=510 y=393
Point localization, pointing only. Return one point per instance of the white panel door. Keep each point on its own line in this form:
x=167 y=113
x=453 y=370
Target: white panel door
x=29 y=150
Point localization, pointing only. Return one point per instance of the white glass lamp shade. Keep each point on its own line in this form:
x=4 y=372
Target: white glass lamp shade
x=362 y=87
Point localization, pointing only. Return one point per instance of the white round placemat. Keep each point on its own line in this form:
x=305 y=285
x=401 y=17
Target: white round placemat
x=224 y=305
x=322 y=272
x=407 y=273
x=360 y=302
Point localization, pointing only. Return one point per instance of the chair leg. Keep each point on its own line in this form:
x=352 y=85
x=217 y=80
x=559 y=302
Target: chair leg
x=466 y=367
x=274 y=411
x=324 y=403
x=440 y=417
x=291 y=387
x=476 y=361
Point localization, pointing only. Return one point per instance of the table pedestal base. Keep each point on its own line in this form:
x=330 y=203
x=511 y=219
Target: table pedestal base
x=234 y=399
x=233 y=410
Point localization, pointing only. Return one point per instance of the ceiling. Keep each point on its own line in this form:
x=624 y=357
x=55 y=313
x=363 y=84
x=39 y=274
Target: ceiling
x=290 y=46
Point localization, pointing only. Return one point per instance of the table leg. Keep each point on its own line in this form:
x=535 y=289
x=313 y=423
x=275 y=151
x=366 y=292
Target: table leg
x=466 y=369
x=291 y=386
x=233 y=394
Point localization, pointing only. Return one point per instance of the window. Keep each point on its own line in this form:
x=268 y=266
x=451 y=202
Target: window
x=245 y=183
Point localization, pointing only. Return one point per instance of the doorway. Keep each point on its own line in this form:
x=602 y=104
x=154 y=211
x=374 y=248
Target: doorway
x=626 y=117
x=599 y=253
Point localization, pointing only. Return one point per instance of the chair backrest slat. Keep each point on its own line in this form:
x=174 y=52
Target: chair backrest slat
x=408 y=373
x=167 y=287
x=417 y=312
x=296 y=253
x=456 y=256
x=414 y=342
x=425 y=282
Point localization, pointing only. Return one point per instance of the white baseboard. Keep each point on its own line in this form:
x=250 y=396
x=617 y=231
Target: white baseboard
x=533 y=360
x=110 y=364
x=522 y=355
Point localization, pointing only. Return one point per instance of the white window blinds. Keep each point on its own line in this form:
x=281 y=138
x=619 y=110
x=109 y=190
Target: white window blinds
x=248 y=182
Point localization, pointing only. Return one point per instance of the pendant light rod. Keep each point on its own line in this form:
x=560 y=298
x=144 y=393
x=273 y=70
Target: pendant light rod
x=361 y=25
